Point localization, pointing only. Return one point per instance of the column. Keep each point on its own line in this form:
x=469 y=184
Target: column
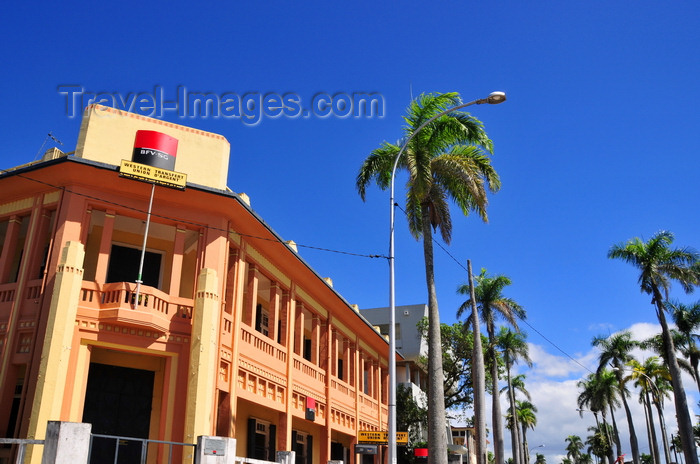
x=10 y=247
x=251 y=295
x=203 y=356
x=274 y=316
x=56 y=351
x=315 y=339
x=299 y=329
x=105 y=247
x=176 y=268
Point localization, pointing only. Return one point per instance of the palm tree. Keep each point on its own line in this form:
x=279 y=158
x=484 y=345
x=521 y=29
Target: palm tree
x=540 y=459
x=445 y=159
x=659 y=265
x=573 y=448
x=517 y=383
x=599 y=394
x=653 y=379
x=676 y=446
x=492 y=304
x=528 y=420
x=599 y=442
x=687 y=320
x=513 y=348
x=615 y=350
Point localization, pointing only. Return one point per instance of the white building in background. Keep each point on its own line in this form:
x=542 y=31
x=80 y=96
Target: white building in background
x=409 y=341
x=412 y=373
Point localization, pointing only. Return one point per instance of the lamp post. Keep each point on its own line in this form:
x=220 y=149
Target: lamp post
x=492 y=99
x=655 y=392
x=530 y=452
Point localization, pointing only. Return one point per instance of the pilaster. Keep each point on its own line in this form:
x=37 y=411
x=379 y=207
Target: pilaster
x=203 y=356
x=56 y=351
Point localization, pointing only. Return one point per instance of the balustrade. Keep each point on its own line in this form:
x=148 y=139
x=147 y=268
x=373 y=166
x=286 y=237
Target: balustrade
x=117 y=301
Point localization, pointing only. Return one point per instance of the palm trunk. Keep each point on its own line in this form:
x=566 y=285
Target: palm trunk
x=664 y=433
x=478 y=381
x=526 y=449
x=653 y=440
x=685 y=425
x=437 y=421
x=514 y=434
x=610 y=456
x=616 y=433
x=496 y=417
x=634 y=446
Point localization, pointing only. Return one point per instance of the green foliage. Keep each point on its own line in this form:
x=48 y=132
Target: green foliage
x=410 y=416
x=599 y=441
x=447 y=159
x=457 y=345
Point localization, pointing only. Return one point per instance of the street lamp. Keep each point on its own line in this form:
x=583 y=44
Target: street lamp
x=651 y=382
x=530 y=452
x=492 y=99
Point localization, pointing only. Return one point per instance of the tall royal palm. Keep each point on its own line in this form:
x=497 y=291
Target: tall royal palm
x=653 y=379
x=599 y=394
x=446 y=159
x=527 y=418
x=616 y=350
x=659 y=265
x=492 y=304
x=687 y=320
x=574 y=447
x=514 y=348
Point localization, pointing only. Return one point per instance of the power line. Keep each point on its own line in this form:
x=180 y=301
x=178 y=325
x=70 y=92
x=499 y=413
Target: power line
x=329 y=250
x=181 y=221
x=521 y=319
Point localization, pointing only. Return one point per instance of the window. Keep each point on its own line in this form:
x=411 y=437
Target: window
x=262 y=440
x=307 y=348
x=262 y=320
x=124 y=266
x=302 y=445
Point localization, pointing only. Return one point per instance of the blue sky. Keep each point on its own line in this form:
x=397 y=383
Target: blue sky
x=596 y=144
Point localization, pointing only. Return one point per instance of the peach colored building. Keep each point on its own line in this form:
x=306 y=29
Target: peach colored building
x=232 y=333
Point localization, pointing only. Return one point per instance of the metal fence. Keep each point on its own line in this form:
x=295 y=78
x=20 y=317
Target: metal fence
x=134 y=450
x=21 y=448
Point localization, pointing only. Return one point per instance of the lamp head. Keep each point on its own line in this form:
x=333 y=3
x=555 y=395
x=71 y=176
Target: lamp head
x=495 y=98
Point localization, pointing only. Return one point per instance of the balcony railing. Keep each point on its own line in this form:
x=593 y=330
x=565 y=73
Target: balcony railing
x=157 y=310
x=30 y=298
x=309 y=375
x=262 y=349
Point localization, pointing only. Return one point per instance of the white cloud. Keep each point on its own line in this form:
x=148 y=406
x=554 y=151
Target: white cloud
x=552 y=383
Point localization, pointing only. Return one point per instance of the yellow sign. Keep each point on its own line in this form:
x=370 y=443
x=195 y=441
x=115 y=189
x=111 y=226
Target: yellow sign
x=148 y=173
x=365 y=436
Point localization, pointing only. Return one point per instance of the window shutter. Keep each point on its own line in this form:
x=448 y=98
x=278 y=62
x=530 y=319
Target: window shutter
x=251 y=438
x=272 y=450
x=309 y=449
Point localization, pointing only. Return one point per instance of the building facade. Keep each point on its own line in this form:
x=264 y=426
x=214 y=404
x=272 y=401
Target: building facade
x=410 y=371
x=229 y=332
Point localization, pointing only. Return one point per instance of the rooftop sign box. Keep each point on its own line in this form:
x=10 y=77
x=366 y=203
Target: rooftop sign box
x=155 y=149
x=153 y=160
